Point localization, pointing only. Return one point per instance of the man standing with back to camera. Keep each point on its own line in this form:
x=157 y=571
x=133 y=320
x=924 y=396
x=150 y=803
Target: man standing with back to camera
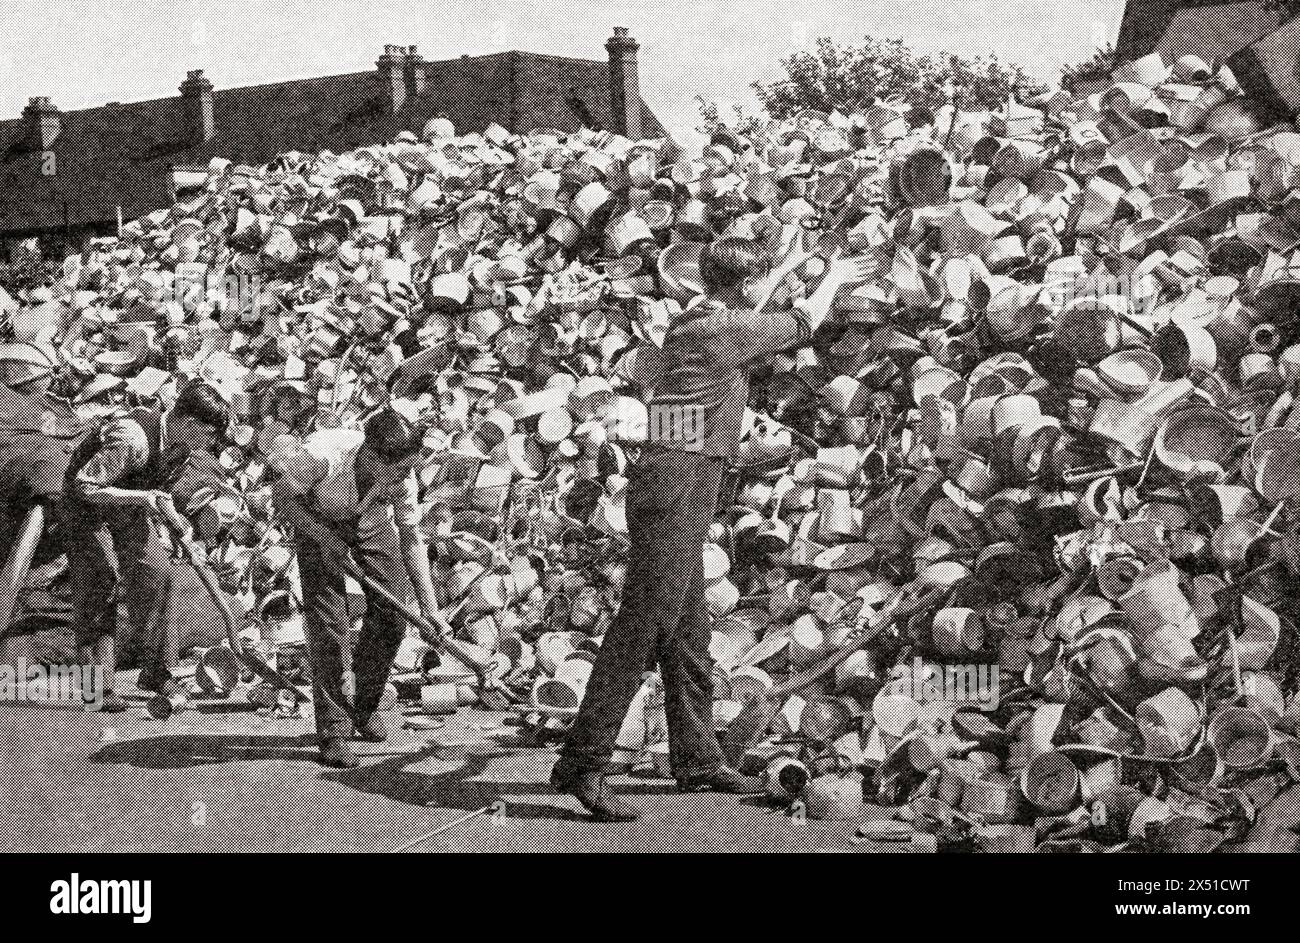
x=38 y=433
x=672 y=496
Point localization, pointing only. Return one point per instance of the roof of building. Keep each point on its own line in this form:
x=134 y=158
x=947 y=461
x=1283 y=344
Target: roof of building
x=1211 y=29
x=121 y=154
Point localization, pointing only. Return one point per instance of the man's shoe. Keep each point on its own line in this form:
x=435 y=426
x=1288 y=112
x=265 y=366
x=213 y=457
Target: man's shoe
x=589 y=788
x=372 y=729
x=337 y=752
x=723 y=779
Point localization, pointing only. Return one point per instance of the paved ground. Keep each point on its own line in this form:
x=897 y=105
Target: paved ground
x=224 y=779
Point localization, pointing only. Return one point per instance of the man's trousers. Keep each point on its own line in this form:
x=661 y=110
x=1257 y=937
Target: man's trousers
x=671 y=499
x=377 y=552
x=111 y=545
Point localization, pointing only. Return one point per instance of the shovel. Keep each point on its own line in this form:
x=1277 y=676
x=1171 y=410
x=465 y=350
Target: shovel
x=753 y=720
x=209 y=581
x=437 y=632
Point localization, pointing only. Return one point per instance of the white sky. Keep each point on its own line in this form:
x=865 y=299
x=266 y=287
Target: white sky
x=82 y=54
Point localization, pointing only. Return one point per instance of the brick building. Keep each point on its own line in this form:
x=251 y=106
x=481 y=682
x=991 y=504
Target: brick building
x=66 y=175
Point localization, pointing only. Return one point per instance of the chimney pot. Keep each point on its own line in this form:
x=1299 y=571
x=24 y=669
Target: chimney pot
x=392 y=78
x=45 y=125
x=417 y=73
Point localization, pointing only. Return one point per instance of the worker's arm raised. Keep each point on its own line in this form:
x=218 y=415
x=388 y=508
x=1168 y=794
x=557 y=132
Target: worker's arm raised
x=738 y=337
x=840 y=273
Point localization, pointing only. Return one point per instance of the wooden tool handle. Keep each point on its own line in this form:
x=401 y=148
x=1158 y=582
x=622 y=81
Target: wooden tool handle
x=435 y=630
x=19 y=564
x=883 y=621
x=209 y=581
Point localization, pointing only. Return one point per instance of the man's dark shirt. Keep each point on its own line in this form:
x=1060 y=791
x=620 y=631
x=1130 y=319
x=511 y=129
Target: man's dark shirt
x=127 y=452
x=706 y=362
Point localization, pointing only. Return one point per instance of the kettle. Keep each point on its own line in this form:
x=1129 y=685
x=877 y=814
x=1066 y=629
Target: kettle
x=836 y=794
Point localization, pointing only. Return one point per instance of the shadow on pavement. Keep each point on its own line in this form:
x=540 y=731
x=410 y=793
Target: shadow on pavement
x=468 y=787
x=461 y=788
x=183 y=751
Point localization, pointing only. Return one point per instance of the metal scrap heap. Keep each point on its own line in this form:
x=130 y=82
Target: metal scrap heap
x=1059 y=426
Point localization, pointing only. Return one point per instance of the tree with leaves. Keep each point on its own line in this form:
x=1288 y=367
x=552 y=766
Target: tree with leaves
x=740 y=120
x=28 y=268
x=1096 y=67
x=836 y=76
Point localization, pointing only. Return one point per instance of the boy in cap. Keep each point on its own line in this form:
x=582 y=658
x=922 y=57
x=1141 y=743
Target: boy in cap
x=696 y=417
x=117 y=482
x=363 y=487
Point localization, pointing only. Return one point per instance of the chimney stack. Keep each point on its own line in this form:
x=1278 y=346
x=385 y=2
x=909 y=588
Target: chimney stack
x=43 y=123
x=196 y=100
x=393 y=78
x=624 y=90
x=416 y=73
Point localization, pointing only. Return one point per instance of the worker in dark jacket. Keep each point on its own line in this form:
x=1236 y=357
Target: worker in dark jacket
x=38 y=433
x=117 y=484
x=696 y=417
